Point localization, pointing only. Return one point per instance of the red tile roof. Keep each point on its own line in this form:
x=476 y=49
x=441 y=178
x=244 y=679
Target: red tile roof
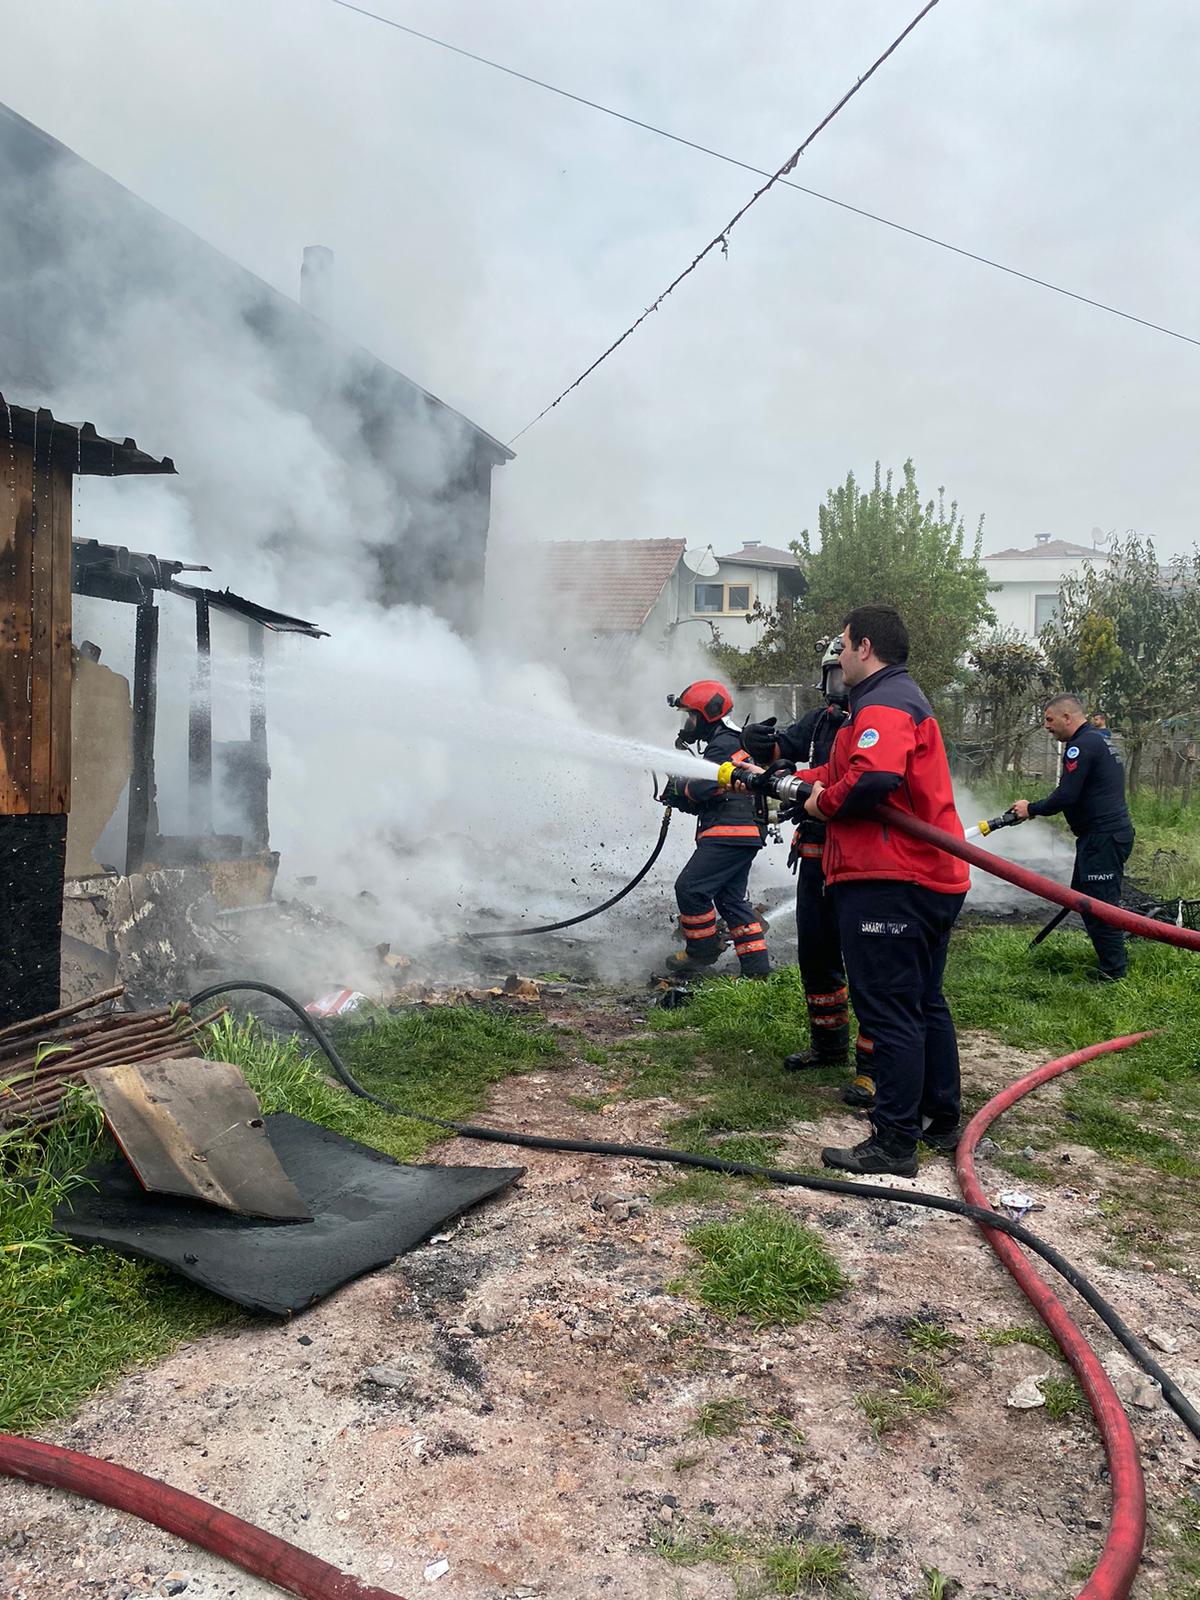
x=608 y=585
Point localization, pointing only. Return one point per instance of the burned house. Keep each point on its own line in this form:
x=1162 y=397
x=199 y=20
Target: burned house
x=40 y=457
x=78 y=740
x=91 y=277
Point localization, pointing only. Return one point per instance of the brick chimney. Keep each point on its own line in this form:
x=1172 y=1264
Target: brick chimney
x=316 y=281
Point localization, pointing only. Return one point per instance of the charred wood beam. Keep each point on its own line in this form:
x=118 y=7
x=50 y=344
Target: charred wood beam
x=200 y=734
x=260 y=770
x=142 y=827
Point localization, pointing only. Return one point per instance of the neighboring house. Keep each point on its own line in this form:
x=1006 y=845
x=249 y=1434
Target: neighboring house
x=755 y=574
x=594 y=596
x=1028 y=581
x=613 y=591
x=102 y=295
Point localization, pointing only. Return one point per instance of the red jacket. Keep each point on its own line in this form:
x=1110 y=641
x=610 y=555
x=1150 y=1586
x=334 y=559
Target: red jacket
x=890 y=752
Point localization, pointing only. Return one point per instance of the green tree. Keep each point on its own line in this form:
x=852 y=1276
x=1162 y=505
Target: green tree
x=887 y=546
x=1011 y=683
x=1127 y=641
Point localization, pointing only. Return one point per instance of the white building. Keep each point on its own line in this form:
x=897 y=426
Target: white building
x=757 y=573
x=1029 y=580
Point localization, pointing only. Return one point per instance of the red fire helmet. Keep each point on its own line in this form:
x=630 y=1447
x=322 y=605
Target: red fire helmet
x=710 y=699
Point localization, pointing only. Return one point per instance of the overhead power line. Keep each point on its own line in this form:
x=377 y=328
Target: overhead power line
x=721 y=239
x=761 y=172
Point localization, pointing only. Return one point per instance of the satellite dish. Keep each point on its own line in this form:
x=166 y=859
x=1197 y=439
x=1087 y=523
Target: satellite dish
x=702 y=562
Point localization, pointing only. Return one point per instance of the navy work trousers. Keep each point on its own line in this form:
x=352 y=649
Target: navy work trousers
x=716 y=879
x=894 y=940
x=1099 y=871
x=821 y=968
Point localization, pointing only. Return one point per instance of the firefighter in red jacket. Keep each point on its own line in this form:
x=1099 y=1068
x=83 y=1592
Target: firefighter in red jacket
x=896 y=899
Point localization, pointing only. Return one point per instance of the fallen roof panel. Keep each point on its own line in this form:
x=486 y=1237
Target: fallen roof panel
x=367 y=1210
x=226 y=600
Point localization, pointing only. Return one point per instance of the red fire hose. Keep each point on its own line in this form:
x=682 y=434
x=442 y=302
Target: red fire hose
x=1118 y=1564
x=248 y=1547
x=1034 y=883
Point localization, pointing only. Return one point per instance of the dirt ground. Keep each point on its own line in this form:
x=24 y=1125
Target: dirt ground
x=520 y=1398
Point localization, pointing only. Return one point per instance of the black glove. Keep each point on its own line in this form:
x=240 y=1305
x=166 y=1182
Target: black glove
x=759 y=782
x=758 y=740
x=793 y=859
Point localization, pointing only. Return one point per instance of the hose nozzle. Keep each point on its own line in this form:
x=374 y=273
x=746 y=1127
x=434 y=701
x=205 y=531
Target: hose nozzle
x=779 y=780
x=1007 y=819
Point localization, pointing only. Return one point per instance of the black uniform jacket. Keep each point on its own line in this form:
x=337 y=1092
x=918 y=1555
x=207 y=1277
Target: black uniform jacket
x=723 y=817
x=1091 y=791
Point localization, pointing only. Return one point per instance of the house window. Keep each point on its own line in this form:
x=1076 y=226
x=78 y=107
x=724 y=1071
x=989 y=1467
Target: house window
x=718 y=597
x=1045 y=611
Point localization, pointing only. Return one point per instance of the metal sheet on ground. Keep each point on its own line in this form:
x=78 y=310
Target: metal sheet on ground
x=367 y=1210
x=194 y=1127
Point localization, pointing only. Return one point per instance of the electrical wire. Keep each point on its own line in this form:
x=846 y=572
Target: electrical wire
x=721 y=239
x=761 y=172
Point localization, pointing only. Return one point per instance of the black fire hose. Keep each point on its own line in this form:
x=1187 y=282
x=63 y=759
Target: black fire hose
x=584 y=916
x=980 y=1215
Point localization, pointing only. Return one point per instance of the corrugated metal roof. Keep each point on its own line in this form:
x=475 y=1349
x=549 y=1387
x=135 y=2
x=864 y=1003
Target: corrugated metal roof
x=607 y=585
x=76 y=445
x=226 y=600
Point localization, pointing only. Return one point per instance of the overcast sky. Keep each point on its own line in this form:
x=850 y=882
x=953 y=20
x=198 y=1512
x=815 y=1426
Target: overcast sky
x=491 y=239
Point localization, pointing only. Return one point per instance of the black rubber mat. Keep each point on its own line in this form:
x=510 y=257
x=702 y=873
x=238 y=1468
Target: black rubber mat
x=367 y=1210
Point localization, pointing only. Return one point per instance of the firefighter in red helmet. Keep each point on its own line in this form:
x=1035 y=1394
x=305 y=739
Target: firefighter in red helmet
x=729 y=833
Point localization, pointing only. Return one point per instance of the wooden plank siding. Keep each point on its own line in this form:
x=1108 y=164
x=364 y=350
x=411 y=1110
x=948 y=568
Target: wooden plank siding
x=61 y=668
x=35 y=631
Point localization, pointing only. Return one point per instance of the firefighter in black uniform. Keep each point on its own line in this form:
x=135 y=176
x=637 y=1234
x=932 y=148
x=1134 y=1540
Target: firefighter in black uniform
x=729 y=833
x=807 y=743
x=1091 y=796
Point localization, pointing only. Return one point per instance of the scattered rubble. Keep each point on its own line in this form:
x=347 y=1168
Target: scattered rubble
x=1027 y=1394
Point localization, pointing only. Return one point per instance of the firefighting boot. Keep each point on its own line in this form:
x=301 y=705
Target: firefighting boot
x=811 y=1059
x=860 y=1093
x=877 y=1154
x=683 y=964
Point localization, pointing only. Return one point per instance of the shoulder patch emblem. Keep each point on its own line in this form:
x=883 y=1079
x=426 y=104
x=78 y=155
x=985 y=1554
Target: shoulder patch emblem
x=867 y=738
x=1073 y=752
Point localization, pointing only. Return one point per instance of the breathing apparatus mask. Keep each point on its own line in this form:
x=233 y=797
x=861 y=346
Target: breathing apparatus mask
x=833 y=681
x=705 y=705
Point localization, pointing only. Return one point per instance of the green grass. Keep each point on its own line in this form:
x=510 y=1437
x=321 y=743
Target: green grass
x=930 y=1337
x=919 y=1393
x=938 y=1585
x=719 y=1419
x=74 y=1320
x=741 y=1033
x=695 y=1187
x=1039 y=1338
x=1139 y=1106
x=764 y=1266
x=785 y=1567
x=1182 y=1544
x=1063 y=1397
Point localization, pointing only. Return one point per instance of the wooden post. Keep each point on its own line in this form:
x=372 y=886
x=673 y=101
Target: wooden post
x=142 y=826
x=35 y=721
x=259 y=764
x=200 y=754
